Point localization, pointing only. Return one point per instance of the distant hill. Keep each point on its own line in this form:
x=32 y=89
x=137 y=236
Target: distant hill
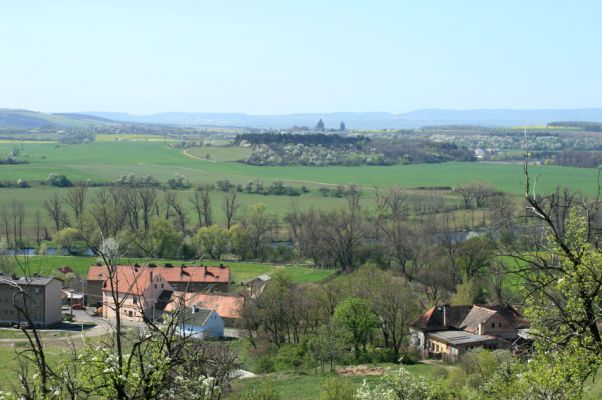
x=25 y=119
x=367 y=120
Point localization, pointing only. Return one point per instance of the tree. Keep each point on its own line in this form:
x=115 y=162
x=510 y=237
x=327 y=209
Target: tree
x=230 y=206
x=240 y=241
x=327 y=345
x=54 y=209
x=65 y=238
x=390 y=218
x=172 y=202
x=343 y=230
x=147 y=197
x=355 y=316
x=259 y=225
x=76 y=198
x=201 y=201
x=392 y=300
x=164 y=240
x=475 y=255
x=212 y=240
x=397 y=384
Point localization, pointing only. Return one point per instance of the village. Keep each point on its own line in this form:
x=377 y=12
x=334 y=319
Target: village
x=213 y=311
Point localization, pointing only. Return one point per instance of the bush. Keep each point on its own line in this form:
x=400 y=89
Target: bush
x=289 y=357
x=265 y=364
x=58 y=180
x=409 y=356
x=263 y=392
x=337 y=389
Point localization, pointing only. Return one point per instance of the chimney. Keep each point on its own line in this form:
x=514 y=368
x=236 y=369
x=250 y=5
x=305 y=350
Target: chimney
x=151 y=276
x=445 y=315
x=480 y=328
x=205 y=270
x=14 y=277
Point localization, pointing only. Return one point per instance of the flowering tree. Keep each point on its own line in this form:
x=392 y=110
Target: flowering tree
x=397 y=384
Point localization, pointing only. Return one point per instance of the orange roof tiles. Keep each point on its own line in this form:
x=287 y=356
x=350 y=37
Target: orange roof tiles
x=187 y=274
x=226 y=305
x=130 y=280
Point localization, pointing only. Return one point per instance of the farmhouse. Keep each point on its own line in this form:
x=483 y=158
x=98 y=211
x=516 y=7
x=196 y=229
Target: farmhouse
x=227 y=305
x=257 y=284
x=141 y=292
x=189 y=279
x=202 y=323
x=41 y=300
x=447 y=331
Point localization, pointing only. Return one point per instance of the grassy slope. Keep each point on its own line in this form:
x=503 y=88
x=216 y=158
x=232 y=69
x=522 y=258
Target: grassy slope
x=308 y=386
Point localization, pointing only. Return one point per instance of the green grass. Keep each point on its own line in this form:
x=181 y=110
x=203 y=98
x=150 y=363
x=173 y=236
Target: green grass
x=11 y=333
x=106 y=160
x=47 y=265
x=308 y=386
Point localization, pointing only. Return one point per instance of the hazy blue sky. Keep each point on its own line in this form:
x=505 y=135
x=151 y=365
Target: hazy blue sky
x=299 y=56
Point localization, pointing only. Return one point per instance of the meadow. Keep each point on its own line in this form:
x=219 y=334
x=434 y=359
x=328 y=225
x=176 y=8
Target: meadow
x=104 y=161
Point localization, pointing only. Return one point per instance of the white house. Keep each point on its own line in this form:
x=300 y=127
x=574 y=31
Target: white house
x=202 y=323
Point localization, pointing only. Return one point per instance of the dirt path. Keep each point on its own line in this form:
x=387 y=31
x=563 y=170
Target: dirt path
x=187 y=154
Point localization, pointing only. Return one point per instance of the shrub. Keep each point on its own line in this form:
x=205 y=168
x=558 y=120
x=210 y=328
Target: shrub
x=58 y=180
x=336 y=389
x=263 y=392
x=265 y=364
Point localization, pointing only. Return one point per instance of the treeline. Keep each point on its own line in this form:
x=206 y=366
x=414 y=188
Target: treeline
x=583 y=159
x=314 y=139
x=375 y=152
x=583 y=125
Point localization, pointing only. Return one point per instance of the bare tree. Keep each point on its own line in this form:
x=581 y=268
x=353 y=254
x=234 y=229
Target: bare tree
x=54 y=209
x=230 y=206
x=148 y=199
x=38 y=226
x=344 y=230
x=76 y=198
x=172 y=202
x=390 y=218
x=201 y=202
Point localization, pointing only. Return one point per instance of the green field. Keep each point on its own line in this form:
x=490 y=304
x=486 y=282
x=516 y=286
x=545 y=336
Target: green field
x=105 y=161
x=307 y=385
x=46 y=265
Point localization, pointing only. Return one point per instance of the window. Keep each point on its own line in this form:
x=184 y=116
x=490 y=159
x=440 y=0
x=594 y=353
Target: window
x=493 y=324
x=499 y=324
x=135 y=300
x=155 y=285
x=161 y=286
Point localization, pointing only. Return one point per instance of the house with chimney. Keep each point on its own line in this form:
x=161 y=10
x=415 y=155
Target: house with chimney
x=140 y=292
x=188 y=279
x=447 y=331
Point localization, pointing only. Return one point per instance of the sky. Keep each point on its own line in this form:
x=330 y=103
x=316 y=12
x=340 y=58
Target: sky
x=279 y=57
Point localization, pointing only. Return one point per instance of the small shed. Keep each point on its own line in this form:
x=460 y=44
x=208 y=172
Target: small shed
x=202 y=323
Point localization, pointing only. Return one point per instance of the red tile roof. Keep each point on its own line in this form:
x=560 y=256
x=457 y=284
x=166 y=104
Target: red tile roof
x=130 y=280
x=226 y=305
x=188 y=274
